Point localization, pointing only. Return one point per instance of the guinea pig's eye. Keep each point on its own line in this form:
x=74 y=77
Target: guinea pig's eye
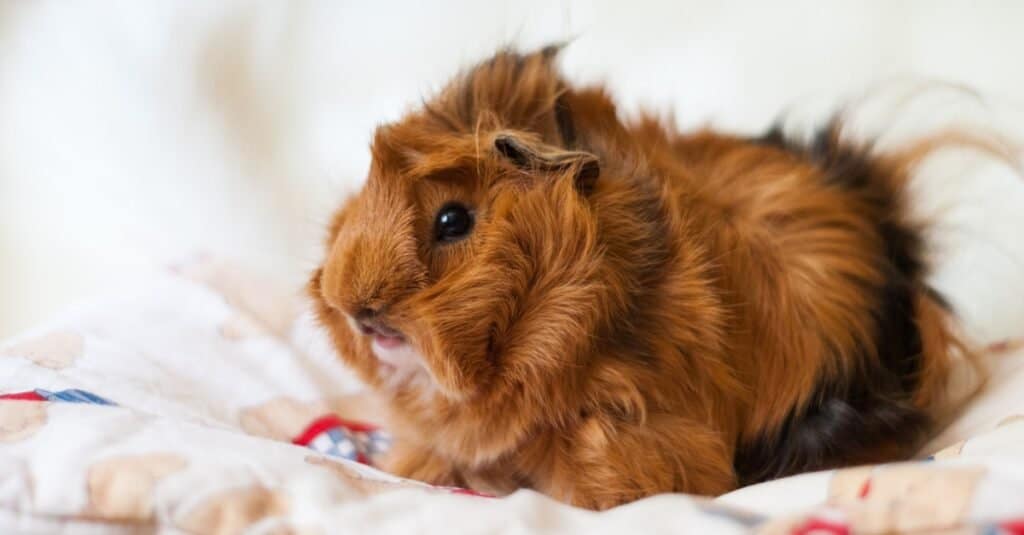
x=453 y=222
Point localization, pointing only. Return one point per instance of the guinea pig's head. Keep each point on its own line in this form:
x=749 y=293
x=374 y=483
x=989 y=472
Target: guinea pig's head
x=470 y=264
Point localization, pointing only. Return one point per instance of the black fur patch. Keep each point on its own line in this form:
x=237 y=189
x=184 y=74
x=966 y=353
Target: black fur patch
x=867 y=416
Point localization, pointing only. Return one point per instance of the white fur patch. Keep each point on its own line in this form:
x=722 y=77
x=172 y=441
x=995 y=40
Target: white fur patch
x=400 y=367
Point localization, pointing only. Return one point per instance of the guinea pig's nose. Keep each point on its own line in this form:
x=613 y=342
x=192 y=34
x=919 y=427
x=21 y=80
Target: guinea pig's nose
x=369 y=319
x=364 y=316
x=370 y=323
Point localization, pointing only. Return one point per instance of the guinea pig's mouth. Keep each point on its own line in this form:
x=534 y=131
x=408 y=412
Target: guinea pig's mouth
x=396 y=356
x=383 y=336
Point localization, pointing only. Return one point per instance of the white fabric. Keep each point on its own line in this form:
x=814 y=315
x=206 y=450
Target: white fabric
x=213 y=372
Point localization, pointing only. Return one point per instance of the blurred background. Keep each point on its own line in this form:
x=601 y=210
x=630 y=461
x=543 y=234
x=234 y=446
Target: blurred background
x=136 y=133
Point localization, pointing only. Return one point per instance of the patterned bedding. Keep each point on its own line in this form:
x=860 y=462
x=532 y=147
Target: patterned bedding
x=203 y=400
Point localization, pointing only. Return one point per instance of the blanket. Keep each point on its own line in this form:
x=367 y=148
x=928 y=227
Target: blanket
x=203 y=399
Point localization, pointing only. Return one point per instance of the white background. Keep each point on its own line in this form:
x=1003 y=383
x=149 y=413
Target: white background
x=132 y=133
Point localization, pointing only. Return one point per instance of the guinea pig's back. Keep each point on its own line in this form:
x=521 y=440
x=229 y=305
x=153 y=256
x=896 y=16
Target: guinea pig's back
x=834 y=329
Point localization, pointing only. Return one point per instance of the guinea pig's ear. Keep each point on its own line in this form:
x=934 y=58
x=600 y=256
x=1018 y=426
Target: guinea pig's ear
x=529 y=154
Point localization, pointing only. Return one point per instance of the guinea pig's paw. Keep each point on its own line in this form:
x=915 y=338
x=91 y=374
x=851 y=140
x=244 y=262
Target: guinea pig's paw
x=421 y=465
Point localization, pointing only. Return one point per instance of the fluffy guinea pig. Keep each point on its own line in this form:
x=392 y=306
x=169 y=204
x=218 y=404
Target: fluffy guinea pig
x=547 y=296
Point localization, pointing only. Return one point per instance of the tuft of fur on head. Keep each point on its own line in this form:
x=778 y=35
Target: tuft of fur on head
x=635 y=310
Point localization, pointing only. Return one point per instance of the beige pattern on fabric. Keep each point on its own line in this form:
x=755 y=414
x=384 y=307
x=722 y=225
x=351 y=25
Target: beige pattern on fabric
x=358 y=482
x=950 y=452
x=265 y=303
x=360 y=406
x=241 y=327
x=284 y=418
x=232 y=511
x=923 y=498
x=121 y=488
x=847 y=485
x=20 y=420
x=56 y=350
x=281 y=418
x=1012 y=419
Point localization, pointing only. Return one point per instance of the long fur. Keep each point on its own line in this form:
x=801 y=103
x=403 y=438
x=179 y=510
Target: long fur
x=708 y=311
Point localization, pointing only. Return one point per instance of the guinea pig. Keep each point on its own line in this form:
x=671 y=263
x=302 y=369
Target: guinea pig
x=548 y=296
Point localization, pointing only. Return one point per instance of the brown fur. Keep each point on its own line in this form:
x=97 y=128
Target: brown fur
x=671 y=325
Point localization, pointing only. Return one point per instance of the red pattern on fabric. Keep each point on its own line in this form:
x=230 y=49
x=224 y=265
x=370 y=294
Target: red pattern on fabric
x=470 y=492
x=23 y=396
x=1005 y=346
x=1013 y=527
x=329 y=421
x=864 y=489
x=820 y=525
x=316 y=427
